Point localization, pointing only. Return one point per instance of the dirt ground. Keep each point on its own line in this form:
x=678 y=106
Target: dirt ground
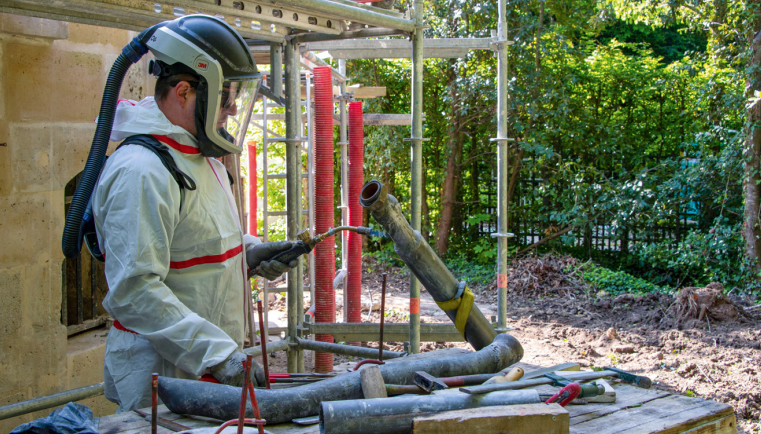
x=558 y=322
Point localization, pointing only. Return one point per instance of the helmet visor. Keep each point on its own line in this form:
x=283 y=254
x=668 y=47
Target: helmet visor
x=236 y=100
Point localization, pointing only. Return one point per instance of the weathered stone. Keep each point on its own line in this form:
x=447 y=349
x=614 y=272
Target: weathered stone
x=11 y=292
x=46 y=84
x=95 y=37
x=28 y=227
x=70 y=148
x=36 y=27
x=30 y=156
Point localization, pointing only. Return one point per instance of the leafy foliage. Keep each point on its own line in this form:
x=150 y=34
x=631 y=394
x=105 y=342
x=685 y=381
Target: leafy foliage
x=617 y=282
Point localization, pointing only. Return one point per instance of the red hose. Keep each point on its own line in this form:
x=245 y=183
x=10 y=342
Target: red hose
x=356 y=181
x=252 y=229
x=324 y=182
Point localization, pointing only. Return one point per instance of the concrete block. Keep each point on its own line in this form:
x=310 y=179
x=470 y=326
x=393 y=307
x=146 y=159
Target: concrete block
x=47 y=84
x=70 y=148
x=28 y=227
x=35 y=27
x=11 y=292
x=514 y=419
x=30 y=156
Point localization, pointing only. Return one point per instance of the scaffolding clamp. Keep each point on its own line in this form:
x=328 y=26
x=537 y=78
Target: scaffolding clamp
x=293 y=140
x=463 y=303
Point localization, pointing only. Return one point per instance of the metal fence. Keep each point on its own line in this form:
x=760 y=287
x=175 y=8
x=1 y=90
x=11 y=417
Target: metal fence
x=533 y=205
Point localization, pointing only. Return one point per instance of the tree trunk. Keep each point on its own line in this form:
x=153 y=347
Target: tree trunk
x=751 y=228
x=450 y=192
x=449 y=195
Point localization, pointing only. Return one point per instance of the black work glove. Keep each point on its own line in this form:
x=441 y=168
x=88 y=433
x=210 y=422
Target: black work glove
x=258 y=255
x=231 y=371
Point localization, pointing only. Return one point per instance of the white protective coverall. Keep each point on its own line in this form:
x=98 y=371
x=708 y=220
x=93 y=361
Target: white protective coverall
x=175 y=262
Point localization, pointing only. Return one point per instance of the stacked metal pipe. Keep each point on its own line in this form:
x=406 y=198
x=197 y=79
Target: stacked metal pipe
x=356 y=174
x=324 y=253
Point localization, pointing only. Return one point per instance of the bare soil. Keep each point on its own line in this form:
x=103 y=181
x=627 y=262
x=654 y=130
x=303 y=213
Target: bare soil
x=557 y=321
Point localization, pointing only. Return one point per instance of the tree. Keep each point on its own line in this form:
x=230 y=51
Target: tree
x=752 y=189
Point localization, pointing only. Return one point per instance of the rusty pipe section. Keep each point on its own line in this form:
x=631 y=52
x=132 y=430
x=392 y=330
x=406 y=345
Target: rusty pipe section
x=200 y=398
x=422 y=260
x=396 y=415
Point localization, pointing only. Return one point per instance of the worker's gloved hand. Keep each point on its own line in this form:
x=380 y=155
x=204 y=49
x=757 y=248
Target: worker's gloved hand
x=231 y=371
x=258 y=255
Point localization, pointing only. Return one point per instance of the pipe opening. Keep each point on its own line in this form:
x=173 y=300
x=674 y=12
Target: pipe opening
x=370 y=193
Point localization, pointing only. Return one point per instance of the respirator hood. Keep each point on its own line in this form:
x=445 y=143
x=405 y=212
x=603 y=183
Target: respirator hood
x=211 y=50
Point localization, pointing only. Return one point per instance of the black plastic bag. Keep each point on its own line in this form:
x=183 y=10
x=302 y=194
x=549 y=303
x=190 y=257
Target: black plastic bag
x=72 y=419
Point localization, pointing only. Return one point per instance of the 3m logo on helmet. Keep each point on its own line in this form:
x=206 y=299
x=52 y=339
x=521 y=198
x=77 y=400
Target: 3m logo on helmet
x=203 y=65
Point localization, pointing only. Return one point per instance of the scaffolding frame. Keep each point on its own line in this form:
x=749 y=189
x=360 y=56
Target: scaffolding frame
x=286 y=24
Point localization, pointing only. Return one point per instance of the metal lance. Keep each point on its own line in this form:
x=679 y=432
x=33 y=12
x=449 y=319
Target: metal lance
x=278 y=406
x=424 y=263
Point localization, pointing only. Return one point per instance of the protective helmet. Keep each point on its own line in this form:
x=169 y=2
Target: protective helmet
x=211 y=50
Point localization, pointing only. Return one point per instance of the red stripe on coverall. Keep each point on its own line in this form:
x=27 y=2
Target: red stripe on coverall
x=177 y=145
x=211 y=259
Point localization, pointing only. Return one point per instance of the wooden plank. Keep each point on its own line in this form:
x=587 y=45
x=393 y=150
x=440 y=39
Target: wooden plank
x=513 y=419
x=672 y=414
x=725 y=425
x=626 y=397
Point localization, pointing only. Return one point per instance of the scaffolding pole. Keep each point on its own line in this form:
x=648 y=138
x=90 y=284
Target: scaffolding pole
x=502 y=167
x=417 y=165
x=293 y=189
x=344 y=190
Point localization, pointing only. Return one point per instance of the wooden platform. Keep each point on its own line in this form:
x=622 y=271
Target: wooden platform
x=636 y=411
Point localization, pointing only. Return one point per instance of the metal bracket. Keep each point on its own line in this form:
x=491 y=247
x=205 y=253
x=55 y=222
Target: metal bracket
x=416 y=139
x=499 y=235
x=502 y=139
x=347 y=96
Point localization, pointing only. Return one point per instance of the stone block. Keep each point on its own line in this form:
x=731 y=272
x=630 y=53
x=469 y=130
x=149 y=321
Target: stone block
x=113 y=39
x=36 y=27
x=43 y=83
x=12 y=293
x=84 y=358
x=70 y=148
x=6 y=186
x=27 y=227
x=30 y=151
x=42 y=293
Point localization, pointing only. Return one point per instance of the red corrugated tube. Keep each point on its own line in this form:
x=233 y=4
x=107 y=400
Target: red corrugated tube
x=252 y=229
x=356 y=181
x=324 y=252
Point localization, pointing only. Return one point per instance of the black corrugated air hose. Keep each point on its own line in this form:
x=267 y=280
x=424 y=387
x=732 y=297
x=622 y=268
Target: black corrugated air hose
x=129 y=55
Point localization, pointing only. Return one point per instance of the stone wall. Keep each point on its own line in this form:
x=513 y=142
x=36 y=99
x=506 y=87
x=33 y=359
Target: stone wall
x=52 y=76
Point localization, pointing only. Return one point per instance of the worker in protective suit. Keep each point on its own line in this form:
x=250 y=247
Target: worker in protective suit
x=176 y=258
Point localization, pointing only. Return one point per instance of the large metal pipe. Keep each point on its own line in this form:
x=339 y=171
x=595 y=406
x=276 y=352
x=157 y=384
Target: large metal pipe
x=32 y=405
x=346 y=350
x=277 y=406
x=395 y=415
x=422 y=261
